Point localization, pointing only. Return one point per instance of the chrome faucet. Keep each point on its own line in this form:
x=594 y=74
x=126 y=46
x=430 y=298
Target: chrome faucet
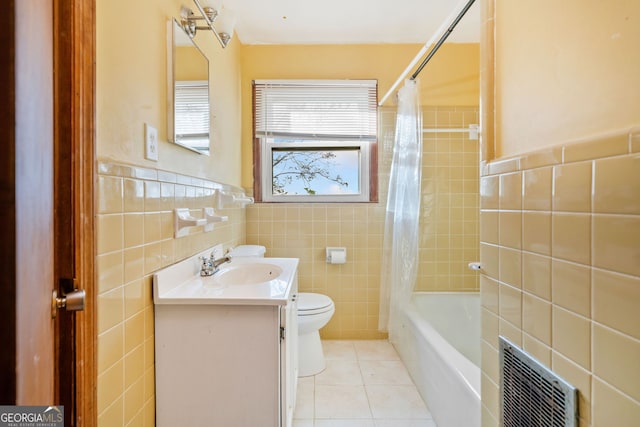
x=218 y=262
x=206 y=268
x=211 y=265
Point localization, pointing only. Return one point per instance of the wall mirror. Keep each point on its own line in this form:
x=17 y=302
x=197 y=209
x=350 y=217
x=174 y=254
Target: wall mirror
x=188 y=111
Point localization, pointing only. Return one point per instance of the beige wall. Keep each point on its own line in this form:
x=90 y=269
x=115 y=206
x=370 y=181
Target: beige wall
x=192 y=64
x=561 y=271
x=560 y=221
x=451 y=77
x=449 y=220
x=132 y=90
x=136 y=196
x=564 y=70
x=448 y=228
x=135 y=239
x=304 y=230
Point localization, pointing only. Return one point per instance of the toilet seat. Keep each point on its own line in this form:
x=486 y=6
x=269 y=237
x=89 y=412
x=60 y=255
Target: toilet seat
x=310 y=304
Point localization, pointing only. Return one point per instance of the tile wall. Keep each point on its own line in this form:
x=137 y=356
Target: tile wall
x=304 y=231
x=560 y=233
x=449 y=225
x=449 y=228
x=134 y=239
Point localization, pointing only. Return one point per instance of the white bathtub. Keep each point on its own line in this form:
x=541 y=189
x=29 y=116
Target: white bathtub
x=439 y=342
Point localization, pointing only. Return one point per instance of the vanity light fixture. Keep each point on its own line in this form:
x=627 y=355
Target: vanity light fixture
x=208 y=13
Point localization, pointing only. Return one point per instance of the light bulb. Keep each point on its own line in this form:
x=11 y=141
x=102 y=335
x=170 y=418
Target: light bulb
x=226 y=22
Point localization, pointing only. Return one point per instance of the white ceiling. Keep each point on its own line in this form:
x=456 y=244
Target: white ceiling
x=349 y=21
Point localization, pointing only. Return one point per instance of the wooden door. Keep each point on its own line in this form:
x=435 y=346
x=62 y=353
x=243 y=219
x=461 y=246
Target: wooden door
x=27 y=203
x=74 y=52
x=46 y=205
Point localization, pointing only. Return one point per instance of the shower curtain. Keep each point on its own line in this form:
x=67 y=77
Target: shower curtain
x=400 y=249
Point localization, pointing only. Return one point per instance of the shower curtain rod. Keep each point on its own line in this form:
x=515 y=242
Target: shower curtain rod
x=431 y=53
x=443 y=38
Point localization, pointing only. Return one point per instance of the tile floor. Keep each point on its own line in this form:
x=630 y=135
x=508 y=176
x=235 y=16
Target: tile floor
x=365 y=384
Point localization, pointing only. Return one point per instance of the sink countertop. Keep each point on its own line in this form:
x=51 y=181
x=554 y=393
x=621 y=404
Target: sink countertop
x=181 y=283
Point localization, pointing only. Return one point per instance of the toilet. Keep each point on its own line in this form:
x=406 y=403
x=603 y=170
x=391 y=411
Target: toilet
x=314 y=312
x=247 y=251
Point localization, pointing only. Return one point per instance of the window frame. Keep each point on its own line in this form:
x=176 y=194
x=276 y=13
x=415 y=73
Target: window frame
x=263 y=162
x=363 y=171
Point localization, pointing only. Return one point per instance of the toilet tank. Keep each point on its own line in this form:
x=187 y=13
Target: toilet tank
x=248 y=251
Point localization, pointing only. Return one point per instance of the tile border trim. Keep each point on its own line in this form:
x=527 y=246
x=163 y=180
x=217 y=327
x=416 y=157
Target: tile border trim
x=122 y=170
x=611 y=144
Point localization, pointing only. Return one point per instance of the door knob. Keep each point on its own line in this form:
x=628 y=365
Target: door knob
x=73 y=301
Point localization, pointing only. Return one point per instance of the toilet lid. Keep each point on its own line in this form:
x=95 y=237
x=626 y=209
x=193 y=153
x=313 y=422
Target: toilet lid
x=310 y=302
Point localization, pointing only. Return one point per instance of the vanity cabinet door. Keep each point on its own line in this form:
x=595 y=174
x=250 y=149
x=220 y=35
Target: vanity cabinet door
x=289 y=357
x=217 y=365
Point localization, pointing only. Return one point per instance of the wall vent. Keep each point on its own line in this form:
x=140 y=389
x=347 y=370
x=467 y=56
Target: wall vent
x=531 y=395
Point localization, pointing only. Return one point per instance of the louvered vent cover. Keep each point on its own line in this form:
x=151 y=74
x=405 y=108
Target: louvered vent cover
x=532 y=395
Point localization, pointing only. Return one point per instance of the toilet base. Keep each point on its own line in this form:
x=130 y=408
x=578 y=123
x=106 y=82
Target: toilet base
x=310 y=354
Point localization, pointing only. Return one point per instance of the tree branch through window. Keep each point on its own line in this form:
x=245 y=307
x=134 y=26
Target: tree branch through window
x=304 y=166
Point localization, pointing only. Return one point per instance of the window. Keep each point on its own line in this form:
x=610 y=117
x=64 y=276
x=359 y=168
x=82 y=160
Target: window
x=315 y=140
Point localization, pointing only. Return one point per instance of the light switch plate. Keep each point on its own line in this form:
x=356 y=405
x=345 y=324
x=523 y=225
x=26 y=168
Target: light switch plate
x=151 y=142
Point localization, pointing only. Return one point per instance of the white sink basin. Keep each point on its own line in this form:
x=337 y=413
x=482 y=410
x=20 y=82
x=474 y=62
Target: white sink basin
x=247 y=274
x=243 y=281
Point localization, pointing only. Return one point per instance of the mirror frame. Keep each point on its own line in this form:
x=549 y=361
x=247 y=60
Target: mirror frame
x=172 y=26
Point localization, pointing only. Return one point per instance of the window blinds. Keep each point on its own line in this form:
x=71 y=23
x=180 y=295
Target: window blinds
x=316 y=109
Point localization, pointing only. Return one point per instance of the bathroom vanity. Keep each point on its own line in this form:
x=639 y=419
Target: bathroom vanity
x=226 y=345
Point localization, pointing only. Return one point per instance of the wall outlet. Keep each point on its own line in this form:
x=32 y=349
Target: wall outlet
x=151 y=142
